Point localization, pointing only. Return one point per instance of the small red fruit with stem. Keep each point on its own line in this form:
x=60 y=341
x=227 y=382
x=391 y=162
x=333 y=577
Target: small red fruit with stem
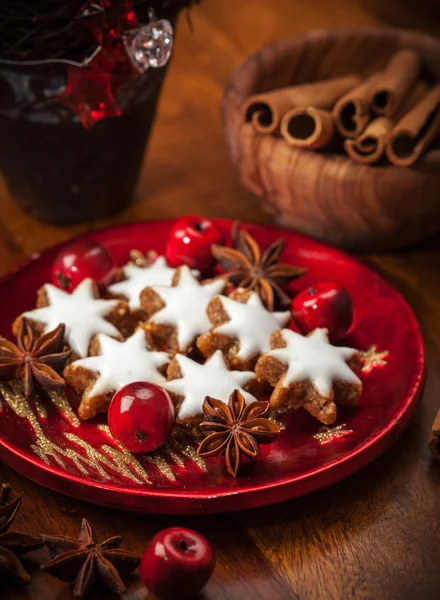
x=80 y=260
x=326 y=305
x=189 y=243
x=141 y=416
x=177 y=563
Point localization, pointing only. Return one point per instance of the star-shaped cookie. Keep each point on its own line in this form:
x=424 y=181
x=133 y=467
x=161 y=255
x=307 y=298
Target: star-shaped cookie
x=83 y=314
x=191 y=382
x=137 y=278
x=310 y=372
x=116 y=364
x=242 y=328
x=178 y=312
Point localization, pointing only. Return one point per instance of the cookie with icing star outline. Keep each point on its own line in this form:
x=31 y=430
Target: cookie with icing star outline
x=310 y=372
x=242 y=327
x=83 y=312
x=149 y=270
x=111 y=365
x=177 y=313
x=189 y=382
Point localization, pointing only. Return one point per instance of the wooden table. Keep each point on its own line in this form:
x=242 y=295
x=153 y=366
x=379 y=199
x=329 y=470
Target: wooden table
x=375 y=535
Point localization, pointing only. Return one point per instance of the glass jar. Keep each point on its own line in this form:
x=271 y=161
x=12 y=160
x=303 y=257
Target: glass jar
x=57 y=170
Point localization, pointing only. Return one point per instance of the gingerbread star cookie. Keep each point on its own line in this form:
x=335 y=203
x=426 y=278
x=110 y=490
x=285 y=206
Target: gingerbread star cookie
x=177 y=313
x=190 y=382
x=137 y=278
x=83 y=313
x=310 y=372
x=113 y=365
x=242 y=327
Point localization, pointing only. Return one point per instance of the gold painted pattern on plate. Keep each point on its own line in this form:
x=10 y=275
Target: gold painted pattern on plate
x=329 y=434
x=89 y=461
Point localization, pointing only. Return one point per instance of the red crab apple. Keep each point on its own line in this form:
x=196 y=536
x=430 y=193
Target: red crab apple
x=324 y=305
x=141 y=416
x=80 y=260
x=189 y=243
x=177 y=563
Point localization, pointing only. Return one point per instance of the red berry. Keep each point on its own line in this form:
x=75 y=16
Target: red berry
x=177 y=563
x=80 y=260
x=324 y=305
x=141 y=416
x=189 y=243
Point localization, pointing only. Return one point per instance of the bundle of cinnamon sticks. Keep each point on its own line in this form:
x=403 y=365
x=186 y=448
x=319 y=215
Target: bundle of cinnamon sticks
x=390 y=115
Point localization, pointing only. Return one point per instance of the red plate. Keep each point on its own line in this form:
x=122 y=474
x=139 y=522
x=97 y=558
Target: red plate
x=46 y=442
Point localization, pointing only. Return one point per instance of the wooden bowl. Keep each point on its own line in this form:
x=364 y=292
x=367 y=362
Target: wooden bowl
x=327 y=195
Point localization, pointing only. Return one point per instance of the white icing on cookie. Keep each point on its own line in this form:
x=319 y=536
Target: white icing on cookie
x=252 y=324
x=211 y=379
x=316 y=359
x=138 y=278
x=80 y=311
x=121 y=363
x=185 y=306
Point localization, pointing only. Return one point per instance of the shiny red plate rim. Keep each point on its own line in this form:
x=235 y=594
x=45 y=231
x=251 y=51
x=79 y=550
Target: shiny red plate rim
x=351 y=462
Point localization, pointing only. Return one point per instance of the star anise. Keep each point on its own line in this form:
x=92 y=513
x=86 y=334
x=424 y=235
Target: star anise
x=235 y=429
x=35 y=360
x=84 y=560
x=13 y=544
x=247 y=267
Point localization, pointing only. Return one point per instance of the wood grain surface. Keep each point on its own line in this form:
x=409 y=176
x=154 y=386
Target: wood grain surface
x=375 y=535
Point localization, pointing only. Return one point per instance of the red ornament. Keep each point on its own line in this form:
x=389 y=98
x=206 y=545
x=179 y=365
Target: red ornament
x=115 y=18
x=80 y=260
x=126 y=49
x=189 y=243
x=141 y=416
x=91 y=89
x=324 y=305
x=88 y=94
x=177 y=563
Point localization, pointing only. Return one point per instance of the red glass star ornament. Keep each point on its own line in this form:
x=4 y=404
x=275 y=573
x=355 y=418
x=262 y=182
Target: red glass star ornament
x=108 y=25
x=111 y=21
x=91 y=90
x=89 y=95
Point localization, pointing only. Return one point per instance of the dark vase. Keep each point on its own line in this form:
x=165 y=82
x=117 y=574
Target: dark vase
x=57 y=170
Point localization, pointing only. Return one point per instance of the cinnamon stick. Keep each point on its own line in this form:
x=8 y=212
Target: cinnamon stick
x=414 y=133
x=311 y=128
x=370 y=145
x=265 y=111
x=395 y=82
x=352 y=112
x=383 y=92
x=434 y=439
